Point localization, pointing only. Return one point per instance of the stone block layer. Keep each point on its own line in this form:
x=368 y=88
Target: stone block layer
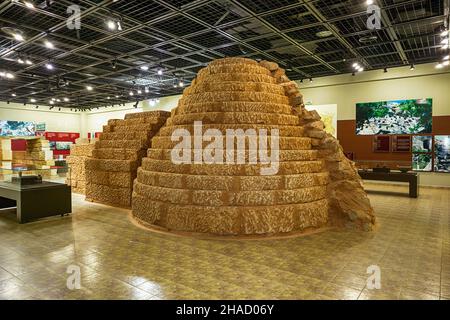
x=76 y=176
x=116 y=156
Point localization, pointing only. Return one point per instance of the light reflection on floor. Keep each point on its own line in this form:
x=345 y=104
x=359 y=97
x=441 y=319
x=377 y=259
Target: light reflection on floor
x=120 y=261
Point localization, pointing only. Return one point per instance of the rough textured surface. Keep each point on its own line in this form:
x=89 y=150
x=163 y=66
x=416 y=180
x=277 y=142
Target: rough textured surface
x=117 y=155
x=79 y=153
x=315 y=185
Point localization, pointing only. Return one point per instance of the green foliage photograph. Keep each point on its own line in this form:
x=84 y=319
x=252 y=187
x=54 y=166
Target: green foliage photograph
x=394 y=117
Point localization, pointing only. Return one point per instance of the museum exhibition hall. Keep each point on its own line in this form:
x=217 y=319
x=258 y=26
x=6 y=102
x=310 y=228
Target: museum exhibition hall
x=225 y=150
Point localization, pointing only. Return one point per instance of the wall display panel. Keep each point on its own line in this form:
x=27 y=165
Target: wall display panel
x=17 y=128
x=381 y=144
x=442 y=153
x=394 y=117
x=329 y=115
x=401 y=144
x=422 y=144
x=422 y=162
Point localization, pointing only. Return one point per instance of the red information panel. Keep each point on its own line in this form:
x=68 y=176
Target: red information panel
x=60 y=141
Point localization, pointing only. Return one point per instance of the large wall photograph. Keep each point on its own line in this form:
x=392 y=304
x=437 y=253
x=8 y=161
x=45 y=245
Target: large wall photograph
x=442 y=153
x=17 y=128
x=394 y=117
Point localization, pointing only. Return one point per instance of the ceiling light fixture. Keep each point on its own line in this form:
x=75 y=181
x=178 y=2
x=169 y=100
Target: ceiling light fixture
x=144 y=68
x=32 y=100
x=49 y=44
x=19 y=60
x=160 y=71
x=18 y=36
x=13 y=94
x=369 y=2
x=28 y=62
x=146 y=90
x=29 y=5
x=89 y=88
x=181 y=83
x=66 y=99
x=444 y=33
x=52 y=102
x=49 y=66
x=131 y=93
x=139 y=91
x=111 y=25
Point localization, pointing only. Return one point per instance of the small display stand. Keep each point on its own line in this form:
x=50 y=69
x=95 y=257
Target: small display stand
x=35 y=199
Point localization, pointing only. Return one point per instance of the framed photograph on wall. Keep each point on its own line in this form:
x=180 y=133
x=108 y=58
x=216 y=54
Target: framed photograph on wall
x=422 y=144
x=381 y=144
x=442 y=153
x=394 y=117
x=401 y=144
x=422 y=162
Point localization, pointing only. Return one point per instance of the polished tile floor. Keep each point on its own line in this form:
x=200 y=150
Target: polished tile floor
x=120 y=261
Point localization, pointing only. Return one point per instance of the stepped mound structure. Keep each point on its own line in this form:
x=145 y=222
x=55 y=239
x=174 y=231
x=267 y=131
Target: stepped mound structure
x=117 y=155
x=79 y=153
x=186 y=191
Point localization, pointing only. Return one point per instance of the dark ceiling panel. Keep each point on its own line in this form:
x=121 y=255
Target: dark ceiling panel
x=311 y=38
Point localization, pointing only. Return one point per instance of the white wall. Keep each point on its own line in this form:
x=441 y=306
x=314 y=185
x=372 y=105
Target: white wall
x=97 y=118
x=399 y=83
x=61 y=121
x=369 y=86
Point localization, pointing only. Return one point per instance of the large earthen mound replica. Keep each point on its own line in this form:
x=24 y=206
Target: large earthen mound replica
x=314 y=185
x=117 y=155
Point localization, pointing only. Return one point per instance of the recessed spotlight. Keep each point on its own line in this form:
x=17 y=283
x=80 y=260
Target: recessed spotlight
x=160 y=71
x=146 y=90
x=13 y=94
x=116 y=97
x=139 y=91
x=49 y=44
x=108 y=98
x=324 y=34
x=361 y=69
x=28 y=61
x=369 y=2
x=18 y=37
x=111 y=25
x=89 y=88
x=52 y=102
x=181 y=83
x=58 y=100
x=66 y=99
x=9 y=75
x=131 y=93
x=20 y=61
x=49 y=66
x=144 y=68
x=32 y=100
x=29 y=5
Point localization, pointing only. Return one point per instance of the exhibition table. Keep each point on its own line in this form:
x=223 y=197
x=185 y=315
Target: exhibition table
x=411 y=178
x=36 y=200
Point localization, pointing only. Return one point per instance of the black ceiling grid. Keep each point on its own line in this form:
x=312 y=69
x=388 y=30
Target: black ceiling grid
x=310 y=38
